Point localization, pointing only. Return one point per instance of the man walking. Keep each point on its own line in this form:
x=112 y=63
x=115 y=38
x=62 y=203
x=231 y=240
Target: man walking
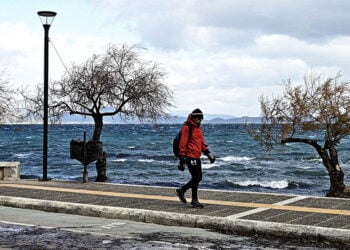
x=191 y=146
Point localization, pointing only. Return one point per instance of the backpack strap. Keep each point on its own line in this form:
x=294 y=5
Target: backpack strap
x=189 y=132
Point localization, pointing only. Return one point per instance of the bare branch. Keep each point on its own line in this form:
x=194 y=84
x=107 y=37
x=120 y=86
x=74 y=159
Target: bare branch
x=321 y=107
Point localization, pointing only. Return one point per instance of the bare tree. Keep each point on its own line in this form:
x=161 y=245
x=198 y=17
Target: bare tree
x=118 y=82
x=6 y=100
x=318 y=108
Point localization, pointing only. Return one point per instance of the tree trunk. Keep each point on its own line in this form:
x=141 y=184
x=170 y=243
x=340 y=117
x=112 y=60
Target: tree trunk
x=336 y=174
x=101 y=162
x=101 y=168
x=98 y=120
x=337 y=183
x=330 y=161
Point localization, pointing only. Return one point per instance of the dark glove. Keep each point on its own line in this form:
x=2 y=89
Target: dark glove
x=181 y=165
x=210 y=156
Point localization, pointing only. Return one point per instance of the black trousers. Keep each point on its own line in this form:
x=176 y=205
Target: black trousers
x=195 y=168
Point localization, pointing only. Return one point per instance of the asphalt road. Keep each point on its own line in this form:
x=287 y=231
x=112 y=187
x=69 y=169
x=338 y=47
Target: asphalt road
x=32 y=229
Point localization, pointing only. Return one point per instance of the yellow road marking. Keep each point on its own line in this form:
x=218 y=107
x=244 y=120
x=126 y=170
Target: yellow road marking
x=171 y=198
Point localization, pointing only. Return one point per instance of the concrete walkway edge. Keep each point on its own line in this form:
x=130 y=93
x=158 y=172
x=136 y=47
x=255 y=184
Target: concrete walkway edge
x=223 y=224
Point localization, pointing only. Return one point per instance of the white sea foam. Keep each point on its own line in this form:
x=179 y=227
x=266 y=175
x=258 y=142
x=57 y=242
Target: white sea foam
x=145 y=160
x=21 y=156
x=119 y=160
x=316 y=160
x=267 y=184
x=236 y=158
x=209 y=165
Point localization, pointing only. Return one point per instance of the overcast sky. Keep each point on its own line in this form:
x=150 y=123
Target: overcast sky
x=220 y=56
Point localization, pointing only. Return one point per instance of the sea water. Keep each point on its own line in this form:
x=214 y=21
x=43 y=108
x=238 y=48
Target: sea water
x=142 y=154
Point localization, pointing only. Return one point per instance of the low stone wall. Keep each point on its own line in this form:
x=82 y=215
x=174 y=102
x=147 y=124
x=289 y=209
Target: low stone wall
x=9 y=171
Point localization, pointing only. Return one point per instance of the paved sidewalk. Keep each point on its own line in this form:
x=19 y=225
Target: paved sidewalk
x=314 y=218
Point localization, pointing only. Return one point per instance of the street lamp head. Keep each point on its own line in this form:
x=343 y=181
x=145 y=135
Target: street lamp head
x=46 y=16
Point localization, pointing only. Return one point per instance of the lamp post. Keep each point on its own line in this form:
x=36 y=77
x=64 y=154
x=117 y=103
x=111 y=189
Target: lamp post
x=46 y=18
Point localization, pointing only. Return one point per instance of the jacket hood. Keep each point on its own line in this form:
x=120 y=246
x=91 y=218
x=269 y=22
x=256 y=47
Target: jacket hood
x=190 y=121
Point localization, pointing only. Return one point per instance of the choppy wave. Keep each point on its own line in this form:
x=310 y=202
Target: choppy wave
x=209 y=166
x=146 y=160
x=119 y=160
x=236 y=158
x=142 y=154
x=22 y=155
x=282 y=184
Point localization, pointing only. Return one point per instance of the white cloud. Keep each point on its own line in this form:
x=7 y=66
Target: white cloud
x=219 y=55
x=17 y=47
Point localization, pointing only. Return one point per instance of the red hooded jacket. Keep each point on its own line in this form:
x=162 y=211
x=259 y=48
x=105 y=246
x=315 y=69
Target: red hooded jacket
x=193 y=146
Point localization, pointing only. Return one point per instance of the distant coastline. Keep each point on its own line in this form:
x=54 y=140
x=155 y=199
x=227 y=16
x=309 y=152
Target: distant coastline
x=237 y=120
x=212 y=118
x=209 y=119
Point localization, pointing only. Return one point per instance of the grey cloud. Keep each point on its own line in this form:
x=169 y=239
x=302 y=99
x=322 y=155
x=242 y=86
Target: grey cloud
x=165 y=24
x=310 y=19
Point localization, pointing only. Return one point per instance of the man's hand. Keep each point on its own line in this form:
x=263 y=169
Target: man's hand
x=181 y=165
x=210 y=156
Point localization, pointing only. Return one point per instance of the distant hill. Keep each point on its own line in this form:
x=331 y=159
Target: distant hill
x=210 y=118
x=245 y=119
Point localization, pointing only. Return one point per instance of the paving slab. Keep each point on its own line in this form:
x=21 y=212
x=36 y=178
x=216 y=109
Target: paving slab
x=314 y=218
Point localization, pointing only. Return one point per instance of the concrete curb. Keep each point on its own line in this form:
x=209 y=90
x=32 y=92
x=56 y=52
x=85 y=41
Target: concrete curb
x=177 y=219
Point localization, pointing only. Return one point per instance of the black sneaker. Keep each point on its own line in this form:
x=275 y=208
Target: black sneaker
x=181 y=195
x=196 y=204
